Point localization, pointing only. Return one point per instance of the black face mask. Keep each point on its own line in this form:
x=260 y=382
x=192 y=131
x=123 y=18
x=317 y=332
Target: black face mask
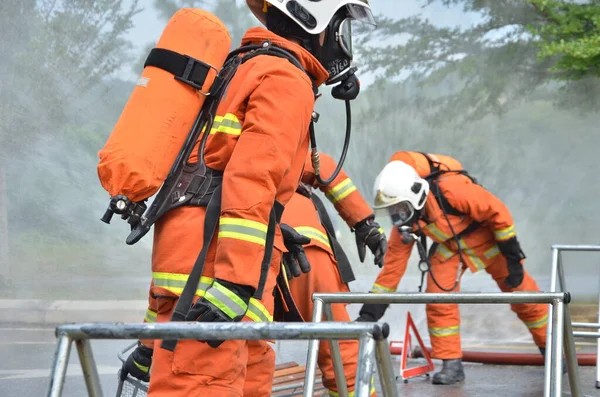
x=335 y=55
x=336 y=52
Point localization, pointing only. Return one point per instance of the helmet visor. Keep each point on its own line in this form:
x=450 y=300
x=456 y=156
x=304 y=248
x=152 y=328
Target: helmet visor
x=401 y=213
x=344 y=37
x=361 y=14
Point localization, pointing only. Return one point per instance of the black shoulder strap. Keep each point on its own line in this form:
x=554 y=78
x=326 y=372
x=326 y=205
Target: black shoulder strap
x=343 y=263
x=432 y=178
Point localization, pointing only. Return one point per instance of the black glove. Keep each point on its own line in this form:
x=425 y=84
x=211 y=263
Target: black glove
x=138 y=364
x=369 y=233
x=295 y=261
x=511 y=250
x=372 y=312
x=233 y=298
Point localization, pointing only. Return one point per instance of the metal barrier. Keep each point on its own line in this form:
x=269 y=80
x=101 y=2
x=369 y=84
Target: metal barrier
x=372 y=337
x=559 y=307
x=557 y=274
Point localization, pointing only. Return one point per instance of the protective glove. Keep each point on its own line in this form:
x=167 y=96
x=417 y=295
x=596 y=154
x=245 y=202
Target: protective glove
x=295 y=261
x=223 y=302
x=138 y=364
x=369 y=233
x=372 y=312
x=511 y=250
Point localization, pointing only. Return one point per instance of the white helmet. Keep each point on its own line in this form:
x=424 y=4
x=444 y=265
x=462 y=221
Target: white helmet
x=399 y=189
x=312 y=15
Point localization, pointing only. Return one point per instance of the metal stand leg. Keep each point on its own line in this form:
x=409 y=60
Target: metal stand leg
x=336 y=355
x=556 y=353
x=364 y=372
x=549 y=336
x=59 y=368
x=313 y=351
x=571 y=354
x=88 y=365
x=598 y=351
x=385 y=368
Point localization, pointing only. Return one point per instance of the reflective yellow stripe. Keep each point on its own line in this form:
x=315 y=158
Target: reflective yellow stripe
x=470 y=253
x=505 y=234
x=311 y=232
x=150 y=316
x=341 y=190
x=479 y=264
x=351 y=393
x=378 y=288
x=243 y=229
x=258 y=312
x=492 y=252
x=447 y=331
x=228 y=124
x=437 y=233
x=445 y=252
x=542 y=322
x=140 y=366
x=175 y=282
x=228 y=302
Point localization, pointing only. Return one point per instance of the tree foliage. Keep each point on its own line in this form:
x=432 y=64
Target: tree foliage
x=510 y=52
x=571 y=35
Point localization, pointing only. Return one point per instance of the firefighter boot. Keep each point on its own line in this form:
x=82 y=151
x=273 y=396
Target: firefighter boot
x=452 y=372
x=564 y=363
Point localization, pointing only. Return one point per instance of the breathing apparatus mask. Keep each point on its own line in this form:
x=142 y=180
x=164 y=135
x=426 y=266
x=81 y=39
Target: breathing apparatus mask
x=334 y=54
x=403 y=216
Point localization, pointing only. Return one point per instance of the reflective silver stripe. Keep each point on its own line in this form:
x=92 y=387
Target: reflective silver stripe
x=445 y=252
x=175 y=282
x=436 y=232
x=492 y=252
x=505 y=234
x=243 y=229
x=311 y=232
x=256 y=314
x=228 y=302
x=341 y=190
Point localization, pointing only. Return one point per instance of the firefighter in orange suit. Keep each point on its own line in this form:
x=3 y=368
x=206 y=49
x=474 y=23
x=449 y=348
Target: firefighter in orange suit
x=315 y=262
x=257 y=148
x=431 y=195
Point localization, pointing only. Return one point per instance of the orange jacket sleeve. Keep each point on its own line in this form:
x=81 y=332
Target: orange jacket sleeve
x=396 y=259
x=482 y=206
x=274 y=128
x=342 y=193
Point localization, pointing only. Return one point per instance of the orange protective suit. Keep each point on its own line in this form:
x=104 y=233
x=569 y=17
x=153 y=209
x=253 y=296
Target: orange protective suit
x=259 y=139
x=479 y=250
x=341 y=192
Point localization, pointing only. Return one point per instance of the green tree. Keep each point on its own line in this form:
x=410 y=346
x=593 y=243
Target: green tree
x=510 y=53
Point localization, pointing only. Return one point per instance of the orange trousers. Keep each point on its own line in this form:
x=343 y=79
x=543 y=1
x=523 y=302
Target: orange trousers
x=323 y=277
x=196 y=369
x=443 y=320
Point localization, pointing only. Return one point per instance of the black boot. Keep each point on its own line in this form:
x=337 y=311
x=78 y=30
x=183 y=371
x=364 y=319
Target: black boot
x=564 y=364
x=452 y=372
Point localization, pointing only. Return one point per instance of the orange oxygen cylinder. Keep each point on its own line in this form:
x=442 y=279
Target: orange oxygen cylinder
x=161 y=110
x=421 y=165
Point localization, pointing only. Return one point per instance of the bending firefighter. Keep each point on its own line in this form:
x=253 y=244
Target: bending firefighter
x=254 y=155
x=315 y=261
x=431 y=196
